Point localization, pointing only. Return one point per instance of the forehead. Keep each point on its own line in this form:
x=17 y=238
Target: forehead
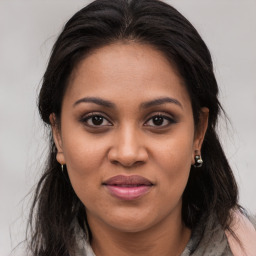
x=124 y=71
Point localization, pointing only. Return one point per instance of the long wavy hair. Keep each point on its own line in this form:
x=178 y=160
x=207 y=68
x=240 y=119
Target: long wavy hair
x=211 y=188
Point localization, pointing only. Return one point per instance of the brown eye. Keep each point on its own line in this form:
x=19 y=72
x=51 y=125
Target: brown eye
x=159 y=121
x=97 y=120
x=94 y=120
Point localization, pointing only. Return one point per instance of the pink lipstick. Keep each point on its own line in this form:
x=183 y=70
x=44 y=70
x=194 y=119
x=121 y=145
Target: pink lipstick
x=128 y=187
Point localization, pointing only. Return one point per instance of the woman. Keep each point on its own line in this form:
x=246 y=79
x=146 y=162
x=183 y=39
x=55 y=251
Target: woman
x=135 y=166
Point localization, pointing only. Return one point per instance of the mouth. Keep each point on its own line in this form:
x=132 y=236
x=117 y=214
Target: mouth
x=128 y=187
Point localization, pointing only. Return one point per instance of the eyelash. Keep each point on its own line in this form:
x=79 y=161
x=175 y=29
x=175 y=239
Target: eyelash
x=169 y=119
x=85 y=120
x=88 y=117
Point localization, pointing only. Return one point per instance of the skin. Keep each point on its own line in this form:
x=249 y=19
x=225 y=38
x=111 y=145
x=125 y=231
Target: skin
x=129 y=142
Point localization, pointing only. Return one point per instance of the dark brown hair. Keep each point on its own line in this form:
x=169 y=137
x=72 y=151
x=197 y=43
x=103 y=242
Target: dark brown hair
x=211 y=188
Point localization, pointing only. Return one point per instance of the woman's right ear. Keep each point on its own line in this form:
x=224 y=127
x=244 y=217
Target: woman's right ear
x=57 y=139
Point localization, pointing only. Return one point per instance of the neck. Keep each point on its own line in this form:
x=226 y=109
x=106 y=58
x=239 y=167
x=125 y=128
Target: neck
x=157 y=240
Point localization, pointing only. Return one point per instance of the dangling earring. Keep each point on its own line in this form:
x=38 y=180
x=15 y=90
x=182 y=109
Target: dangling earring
x=198 y=161
x=62 y=167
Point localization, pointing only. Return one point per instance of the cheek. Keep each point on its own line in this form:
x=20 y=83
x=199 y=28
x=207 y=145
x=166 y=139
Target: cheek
x=174 y=159
x=83 y=152
x=84 y=157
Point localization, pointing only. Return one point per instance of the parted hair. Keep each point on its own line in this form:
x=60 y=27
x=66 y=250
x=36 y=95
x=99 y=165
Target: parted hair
x=211 y=188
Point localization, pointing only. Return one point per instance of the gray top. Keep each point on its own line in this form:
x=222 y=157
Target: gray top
x=213 y=243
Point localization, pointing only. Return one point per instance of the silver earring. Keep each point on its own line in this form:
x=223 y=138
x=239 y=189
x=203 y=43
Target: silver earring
x=62 y=167
x=198 y=161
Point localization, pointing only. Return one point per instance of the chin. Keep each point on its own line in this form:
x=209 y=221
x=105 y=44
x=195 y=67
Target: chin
x=131 y=223
x=130 y=227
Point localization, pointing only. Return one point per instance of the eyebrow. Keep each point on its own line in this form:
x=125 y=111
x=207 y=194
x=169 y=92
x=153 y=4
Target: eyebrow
x=160 y=101
x=147 y=104
x=95 y=100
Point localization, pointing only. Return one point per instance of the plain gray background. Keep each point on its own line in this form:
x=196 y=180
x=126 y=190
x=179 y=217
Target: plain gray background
x=27 y=32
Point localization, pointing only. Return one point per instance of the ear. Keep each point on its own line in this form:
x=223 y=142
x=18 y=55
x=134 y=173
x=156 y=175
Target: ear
x=200 y=132
x=57 y=139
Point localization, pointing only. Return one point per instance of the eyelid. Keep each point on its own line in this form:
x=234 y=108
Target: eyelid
x=165 y=115
x=87 y=116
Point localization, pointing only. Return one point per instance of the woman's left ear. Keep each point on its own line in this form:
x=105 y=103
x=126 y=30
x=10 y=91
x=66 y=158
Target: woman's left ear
x=200 y=131
x=57 y=139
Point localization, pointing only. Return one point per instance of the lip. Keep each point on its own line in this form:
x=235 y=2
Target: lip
x=128 y=187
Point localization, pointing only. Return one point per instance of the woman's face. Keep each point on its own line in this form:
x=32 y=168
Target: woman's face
x=127 y=137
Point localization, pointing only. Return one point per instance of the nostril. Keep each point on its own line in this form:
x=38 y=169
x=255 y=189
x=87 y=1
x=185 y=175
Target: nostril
x=127 y=164
x=114 y=162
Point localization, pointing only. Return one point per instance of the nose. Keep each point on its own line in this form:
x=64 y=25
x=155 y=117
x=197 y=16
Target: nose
x=128 y=148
